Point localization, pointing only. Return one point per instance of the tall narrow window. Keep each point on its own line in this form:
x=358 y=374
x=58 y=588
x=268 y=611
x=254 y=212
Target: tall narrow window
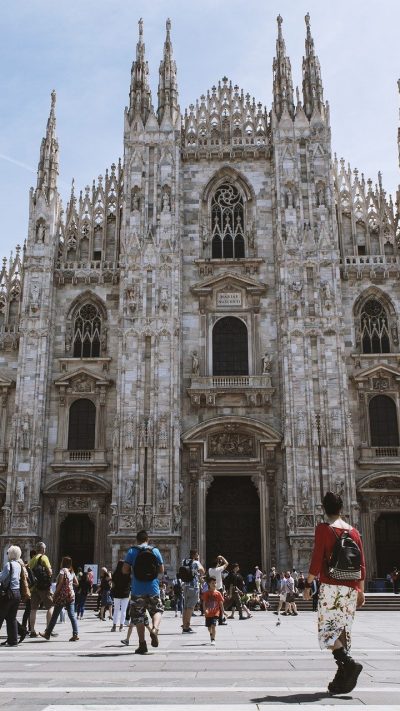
x=383 y=422
x=227 y=223
x=82 y=425
x=374 y=328
x=87 y=329
x=230 y=349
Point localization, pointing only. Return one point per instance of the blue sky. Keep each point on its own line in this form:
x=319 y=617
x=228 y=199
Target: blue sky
x=84 y=50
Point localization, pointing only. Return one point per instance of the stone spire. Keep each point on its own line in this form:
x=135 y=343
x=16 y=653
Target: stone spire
x=283 y=84
x=48 y=162
x=167 y=86
x=140 y=94
x=313 y=94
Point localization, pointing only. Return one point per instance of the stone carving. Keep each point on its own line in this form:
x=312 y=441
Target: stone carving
x=162 y=487
x=166 y=200
x=326 y=294
x=266 y=363
x=386 y=483
x=305 y=521
x=176 y=518
x=161 y=523
x=130 y=432
x=315 y=429
x=380 y=383
x=195 y=364
x=148 y=517
x=383 y=501
x=77 y=503
x=339 y=487
x=20 y=521
x=115 y=435
x=301 y=437
x=130 y=298
x=35 y=297
x=139 y=518
x=257 y=483
x=163 y=432
x=181 y=491
x=284 y=491
x=129 y=522
x=164 y=300
x=336 y=433
x=287 y=432
x=82 y=384
x=395 y=334
x=305 y=494
x=74 y=485
x=230 y=444
x=40 y=231
x=290 y=519
x=113 y=522
x=20 y=489
x=129 y=492
x=208 y=480
x=34 y=516
x=146 y=433
x=25 y=434
x=68 y=337
x=135 y=199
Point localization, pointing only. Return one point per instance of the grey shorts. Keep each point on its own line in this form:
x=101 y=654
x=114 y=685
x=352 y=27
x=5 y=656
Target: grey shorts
x=190 y=597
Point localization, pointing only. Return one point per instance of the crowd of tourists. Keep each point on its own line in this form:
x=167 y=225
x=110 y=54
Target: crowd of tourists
x=137 y=592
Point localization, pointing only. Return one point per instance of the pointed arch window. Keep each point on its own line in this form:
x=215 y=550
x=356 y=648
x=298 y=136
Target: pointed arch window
x=374 y=328
x=82 y=425
x=87 y=332
x=227 y=223
x=383 y=422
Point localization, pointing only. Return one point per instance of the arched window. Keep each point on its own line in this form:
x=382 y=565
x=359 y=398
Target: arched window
x=374 y=328
x=383 y=422
x=82 y=425
x=87 y=330
x=230 y=350
x=227 y=223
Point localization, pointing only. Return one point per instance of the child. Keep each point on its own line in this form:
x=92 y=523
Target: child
x=213 y=606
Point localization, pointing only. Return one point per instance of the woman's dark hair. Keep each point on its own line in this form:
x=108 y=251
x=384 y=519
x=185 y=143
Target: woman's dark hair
x=332 y=503
x=66 y=562
x=118 y=569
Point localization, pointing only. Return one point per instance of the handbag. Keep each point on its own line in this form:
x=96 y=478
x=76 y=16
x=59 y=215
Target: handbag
x=6 y=594
x=24 y=585
x=63 y=596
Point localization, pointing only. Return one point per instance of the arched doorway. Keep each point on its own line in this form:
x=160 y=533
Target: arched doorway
x=387 y=542
x=77 y=539
x=233 y=521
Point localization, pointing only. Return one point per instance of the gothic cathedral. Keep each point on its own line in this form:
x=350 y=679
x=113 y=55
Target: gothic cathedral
x=206 y=340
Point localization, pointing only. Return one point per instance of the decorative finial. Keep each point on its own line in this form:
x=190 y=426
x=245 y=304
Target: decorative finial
x=140 y=28
x=307 y=19
x=53 y=99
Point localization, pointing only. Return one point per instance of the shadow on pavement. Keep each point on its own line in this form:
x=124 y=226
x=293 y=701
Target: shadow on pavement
x=298 y=698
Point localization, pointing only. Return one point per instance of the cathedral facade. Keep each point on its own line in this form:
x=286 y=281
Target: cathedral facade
x=206 y=340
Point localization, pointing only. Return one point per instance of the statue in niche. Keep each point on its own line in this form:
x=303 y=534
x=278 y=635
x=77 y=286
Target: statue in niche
x=68 y=337
x=176 y=519
x=320 y=195
x=290 y=519
x=195 y=364
x=135 y=199
x=25 y=432
x=115 y=437
x=305 y=493
x=339 y=487
x=40 y=231
x=129 y=494
x=284 y=491
x=266 y=363
x=35 y=296
x=162 y=489
x=301 y=429
x=20 y=488
x=131 y=299
x=166 y=202
x=181 y=491
x=130 y=432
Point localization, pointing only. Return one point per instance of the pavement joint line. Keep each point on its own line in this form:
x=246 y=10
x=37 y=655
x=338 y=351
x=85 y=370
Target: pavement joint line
x=198 y=650
x=184 y=689
x=212 y=707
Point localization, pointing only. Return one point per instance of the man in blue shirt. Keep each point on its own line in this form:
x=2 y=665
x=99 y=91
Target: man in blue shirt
x=144 y=563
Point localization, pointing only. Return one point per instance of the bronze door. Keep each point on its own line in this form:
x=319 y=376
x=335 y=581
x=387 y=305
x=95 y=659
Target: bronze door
x=233 y=522
x=77 y=539
x=387 y=541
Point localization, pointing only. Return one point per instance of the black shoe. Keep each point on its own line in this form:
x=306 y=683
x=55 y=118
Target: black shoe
x=154 y=637
x=142 y=648
x=22 y=635
x=336 y=685
x=187 y=631
x=351 y=672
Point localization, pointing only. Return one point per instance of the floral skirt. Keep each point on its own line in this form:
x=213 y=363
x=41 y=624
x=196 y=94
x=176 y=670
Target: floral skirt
x=336 y=608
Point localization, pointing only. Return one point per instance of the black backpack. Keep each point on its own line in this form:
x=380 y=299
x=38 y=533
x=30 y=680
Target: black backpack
x=41 y=575
x=345 y=560
x=146 y=564
x=30 y=576
x=178 y=588
x=186 y=571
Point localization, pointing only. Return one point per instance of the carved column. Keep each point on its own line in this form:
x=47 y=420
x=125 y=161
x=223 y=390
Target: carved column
x=273 y=553
x=261 y=486
x=204 y=484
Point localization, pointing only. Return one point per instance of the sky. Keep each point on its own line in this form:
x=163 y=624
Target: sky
x=84 y=50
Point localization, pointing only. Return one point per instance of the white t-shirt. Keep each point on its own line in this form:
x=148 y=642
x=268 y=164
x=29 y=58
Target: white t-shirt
x=217 y=574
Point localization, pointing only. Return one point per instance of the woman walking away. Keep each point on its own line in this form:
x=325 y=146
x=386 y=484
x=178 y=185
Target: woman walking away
x=121 y=586
x=64 y=596
x=83 y=591
x=105 y=594
x=10 y=596
x=338 y=559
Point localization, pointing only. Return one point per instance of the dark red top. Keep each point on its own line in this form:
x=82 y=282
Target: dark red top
x=323 y=546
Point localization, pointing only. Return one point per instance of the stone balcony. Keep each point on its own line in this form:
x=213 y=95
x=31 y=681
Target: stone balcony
x=231 y=390
x=375 y=456
x=88 y=271
x=78 y=459
x=370 y=266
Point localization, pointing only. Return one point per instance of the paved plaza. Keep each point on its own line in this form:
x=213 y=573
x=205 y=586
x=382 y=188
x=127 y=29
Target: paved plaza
x=255 y=664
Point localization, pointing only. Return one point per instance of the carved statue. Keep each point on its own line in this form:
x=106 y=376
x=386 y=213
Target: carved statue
x=130 y=432
x=166 y=203
x=176 y=519
x=20 y=488
x=339 y=487
x=162 y=488
x=164 y=298
x=40 y=232
x=135 y=199
x=181 y=491
x=25 y=432
x=68 y=337
x=195 y=364
x=129 y=494
x=301 y=429
x=290 y=519
x=266 y=363
x=305 y=492
x=115 y=436
x=284 y=491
